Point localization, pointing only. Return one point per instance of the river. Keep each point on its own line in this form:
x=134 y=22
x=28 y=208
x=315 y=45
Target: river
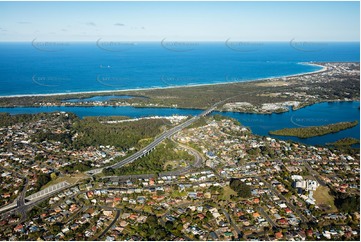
x=260 y=124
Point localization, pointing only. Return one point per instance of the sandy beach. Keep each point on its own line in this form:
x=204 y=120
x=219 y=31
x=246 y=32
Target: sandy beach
x=324 y=68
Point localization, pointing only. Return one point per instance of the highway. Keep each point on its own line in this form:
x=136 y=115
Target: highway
x=22 y=203
x=157 y=141
x=197 y=164
x=21 y=206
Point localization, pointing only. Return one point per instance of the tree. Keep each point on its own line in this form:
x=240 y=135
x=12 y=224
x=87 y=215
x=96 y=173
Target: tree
x=304 y=226
x=152 y=221
x=242 y=189
x=169 y=225
x=160 y=233
x=108 y=171
x=53 y=176
x=168 y=167
x=209 y=215
x=180 y=227
x=43 y=179
x=347 y=204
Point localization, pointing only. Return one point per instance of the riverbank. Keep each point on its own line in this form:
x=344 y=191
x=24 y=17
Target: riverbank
x=260 y=124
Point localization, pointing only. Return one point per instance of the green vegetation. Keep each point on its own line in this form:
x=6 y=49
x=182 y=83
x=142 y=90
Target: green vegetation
x=347 y=203
x=151 y=230
x=64 y=138
x=121 y=135
x=152 y=163
x=77 y=166
x=43 y=179
x=111 y=118
x=7 y=120
x=202 y=121
x=313 y=131
x=345 y=142
x=242 y=189
x=324 y=198
x=227 y=193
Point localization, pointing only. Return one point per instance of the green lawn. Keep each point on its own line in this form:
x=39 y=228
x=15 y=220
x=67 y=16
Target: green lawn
x=71 y=179
x=323 y=198
x=227 y=192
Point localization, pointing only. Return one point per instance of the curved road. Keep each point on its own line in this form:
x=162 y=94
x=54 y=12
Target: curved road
x=157 y=141
x=110 y=225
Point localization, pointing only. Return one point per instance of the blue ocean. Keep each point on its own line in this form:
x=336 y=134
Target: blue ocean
x=59 y=67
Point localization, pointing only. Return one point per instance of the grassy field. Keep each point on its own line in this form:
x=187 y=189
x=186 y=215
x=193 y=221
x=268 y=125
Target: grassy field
x=70 y=179
x=174 y=164
x=227 y=192
x=323 y=198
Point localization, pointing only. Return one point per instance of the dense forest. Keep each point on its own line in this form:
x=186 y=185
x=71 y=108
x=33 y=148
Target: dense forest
x=347 y=203
x=121 y=135
x=308 y=132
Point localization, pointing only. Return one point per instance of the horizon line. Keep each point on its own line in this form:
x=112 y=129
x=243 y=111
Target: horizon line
x=170 y=40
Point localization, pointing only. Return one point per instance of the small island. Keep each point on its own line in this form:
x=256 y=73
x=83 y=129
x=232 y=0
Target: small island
x=312 y=131
x=345 y=142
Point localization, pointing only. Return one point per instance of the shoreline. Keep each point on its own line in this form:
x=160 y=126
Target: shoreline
x=323 y=69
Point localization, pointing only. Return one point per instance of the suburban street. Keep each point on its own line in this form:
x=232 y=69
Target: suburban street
x=22 y=208
x=314 y=174
x=291 y=206
x=267 y=217
x=110 y=225
x=230 y=220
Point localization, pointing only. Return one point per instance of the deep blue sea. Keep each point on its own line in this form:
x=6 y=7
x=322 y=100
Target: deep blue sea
x=64 y=67
x=261 y=124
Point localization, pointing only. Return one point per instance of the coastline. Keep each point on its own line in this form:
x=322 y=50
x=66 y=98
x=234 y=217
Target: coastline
x=323 y=69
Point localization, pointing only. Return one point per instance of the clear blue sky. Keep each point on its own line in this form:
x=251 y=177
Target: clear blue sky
x=153 y=21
